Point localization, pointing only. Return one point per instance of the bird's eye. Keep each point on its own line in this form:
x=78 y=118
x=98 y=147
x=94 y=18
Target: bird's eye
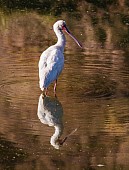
x=63 y=27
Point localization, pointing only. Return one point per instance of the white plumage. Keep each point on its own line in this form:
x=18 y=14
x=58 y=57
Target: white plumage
x=51 y=61
x=50 y=112
x=50 y=66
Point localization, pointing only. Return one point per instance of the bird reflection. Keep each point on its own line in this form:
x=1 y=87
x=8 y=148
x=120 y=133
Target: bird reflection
x=50 y=112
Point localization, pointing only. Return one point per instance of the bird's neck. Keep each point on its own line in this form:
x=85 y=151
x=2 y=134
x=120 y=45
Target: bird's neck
x=61 y=39
x=56 y=135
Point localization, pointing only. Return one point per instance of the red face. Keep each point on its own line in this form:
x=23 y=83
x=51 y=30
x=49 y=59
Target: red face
x=65 y=28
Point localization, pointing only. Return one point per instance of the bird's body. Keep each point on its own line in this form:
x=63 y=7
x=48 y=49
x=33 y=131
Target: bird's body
x=50 y=112
x=51 y=62
x=50 y=65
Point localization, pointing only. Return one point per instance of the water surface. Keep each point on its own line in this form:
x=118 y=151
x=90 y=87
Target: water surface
x=92 y=96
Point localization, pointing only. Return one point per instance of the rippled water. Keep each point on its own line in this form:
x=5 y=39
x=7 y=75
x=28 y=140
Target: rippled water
x=92 y=99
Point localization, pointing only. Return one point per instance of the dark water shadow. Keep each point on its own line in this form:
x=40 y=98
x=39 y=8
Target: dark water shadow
x=10 y=155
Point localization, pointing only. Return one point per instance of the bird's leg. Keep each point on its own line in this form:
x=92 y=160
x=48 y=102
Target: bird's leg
x=55 y=86
x=45 y=91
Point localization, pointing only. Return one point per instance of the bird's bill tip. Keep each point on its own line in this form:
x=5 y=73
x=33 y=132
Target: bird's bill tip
x=69 y=33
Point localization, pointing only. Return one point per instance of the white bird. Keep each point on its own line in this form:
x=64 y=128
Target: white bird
x=51 y=61
x=50 y=112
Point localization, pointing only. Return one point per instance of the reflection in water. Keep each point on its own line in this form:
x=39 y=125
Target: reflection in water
x=50 y=112
x=99 y=104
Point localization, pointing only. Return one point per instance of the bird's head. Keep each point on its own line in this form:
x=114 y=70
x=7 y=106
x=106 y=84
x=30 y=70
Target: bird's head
x=61 y=25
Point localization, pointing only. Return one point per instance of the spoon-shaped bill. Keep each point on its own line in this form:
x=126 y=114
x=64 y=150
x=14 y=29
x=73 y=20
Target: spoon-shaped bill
x=61 y=141
x=69 y=33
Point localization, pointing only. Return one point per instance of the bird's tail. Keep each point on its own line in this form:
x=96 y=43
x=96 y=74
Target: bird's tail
x=41 y=85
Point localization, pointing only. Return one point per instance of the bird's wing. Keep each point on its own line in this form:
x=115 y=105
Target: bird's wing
x=50 y=66
x=42 y=62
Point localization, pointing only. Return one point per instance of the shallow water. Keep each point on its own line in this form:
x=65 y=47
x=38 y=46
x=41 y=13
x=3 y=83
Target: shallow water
x=92 y=99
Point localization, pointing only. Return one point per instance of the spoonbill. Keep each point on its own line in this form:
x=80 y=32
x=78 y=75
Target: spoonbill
x=50 y=112
x=51 y=61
